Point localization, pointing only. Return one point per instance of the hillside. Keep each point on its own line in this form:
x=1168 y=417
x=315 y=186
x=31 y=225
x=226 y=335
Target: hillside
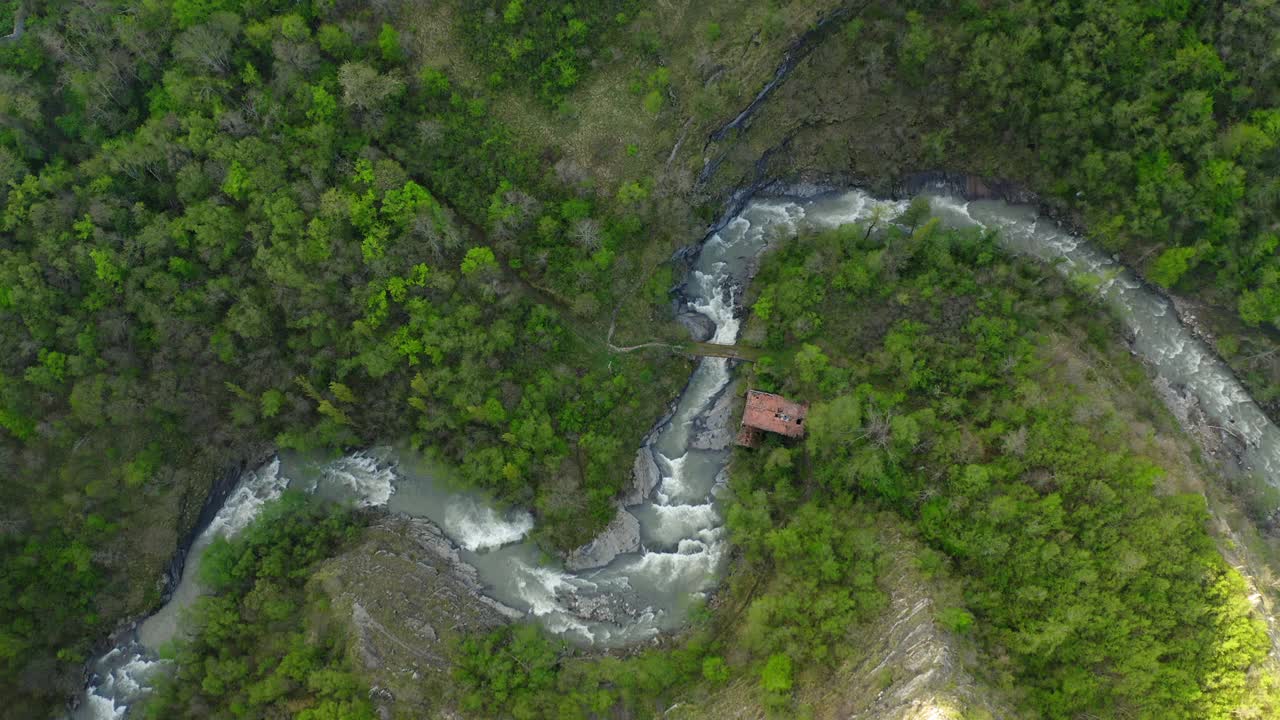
x=230 y=229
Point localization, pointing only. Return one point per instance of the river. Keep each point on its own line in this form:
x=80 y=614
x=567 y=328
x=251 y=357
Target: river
x=683 y=546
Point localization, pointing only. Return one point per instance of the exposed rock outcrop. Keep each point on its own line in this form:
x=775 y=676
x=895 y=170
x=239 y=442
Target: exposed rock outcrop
x=712 y=430
x=250 y=458
x=967 y=186
x=407 y=596
x=645 y=476
x=622 y=535
x=609 y=607
x=900 y=665
x=701 y=328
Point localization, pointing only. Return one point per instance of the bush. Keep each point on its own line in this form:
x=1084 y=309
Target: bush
x=957 y=620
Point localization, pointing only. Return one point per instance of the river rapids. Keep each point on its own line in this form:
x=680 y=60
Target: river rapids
x=683 y=545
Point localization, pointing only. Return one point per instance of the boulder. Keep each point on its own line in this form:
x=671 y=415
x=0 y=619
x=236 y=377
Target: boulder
x=712 y=429
x=615 y=606
x=645 y=476
x=701 y=328
x=622 y=535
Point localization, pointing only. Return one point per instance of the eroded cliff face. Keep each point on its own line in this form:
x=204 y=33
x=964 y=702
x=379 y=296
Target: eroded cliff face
x=406 y=597
x=907 y=666
x=900 y=665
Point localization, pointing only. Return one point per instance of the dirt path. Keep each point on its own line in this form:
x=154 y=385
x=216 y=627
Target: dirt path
x=631 y=348
x=699 y=349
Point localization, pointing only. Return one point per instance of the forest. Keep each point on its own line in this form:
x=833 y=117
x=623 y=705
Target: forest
x=230 y=225
x=1158 y=123
x=959 y=413
x=222 y=238
x=1181 y=156
x=259 y=639
x=944 y=395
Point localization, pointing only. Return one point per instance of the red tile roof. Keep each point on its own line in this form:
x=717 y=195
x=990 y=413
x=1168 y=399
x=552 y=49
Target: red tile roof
x=774 y=413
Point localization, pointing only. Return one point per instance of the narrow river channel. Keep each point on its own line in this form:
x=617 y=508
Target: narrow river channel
x=683 y=544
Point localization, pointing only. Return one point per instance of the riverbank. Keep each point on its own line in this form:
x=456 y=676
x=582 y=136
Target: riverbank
x=1110 y=378
x=839 y=122
x=1060 y=382
x=779 y=147
x=371 y=629
x=818 y=116
x=157 y=560
x=19 y=24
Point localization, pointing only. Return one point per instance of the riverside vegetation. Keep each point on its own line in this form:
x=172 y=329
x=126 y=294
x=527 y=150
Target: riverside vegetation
x=1067 y=555
x=1149 y=124
x=269 y=226
x=228 y=222
x=260 y=639
x=941 y=397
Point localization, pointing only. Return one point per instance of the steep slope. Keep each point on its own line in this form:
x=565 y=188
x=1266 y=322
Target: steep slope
x=900 y=664
x=407 y=598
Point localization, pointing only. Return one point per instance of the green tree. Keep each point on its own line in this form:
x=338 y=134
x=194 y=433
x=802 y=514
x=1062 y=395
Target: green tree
x=776 y=678
x=389 y=44
x=479 y=260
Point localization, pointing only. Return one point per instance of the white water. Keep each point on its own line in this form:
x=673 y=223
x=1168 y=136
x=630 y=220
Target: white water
x=475 y=526
x=649 y=591
x=683 y=539
x=365 y=478
x=124 y=674
x=1174 y=352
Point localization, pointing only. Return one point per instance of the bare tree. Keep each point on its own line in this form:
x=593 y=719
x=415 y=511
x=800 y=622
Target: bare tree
x=586 y=233
x=365 y=89
x=207 y=47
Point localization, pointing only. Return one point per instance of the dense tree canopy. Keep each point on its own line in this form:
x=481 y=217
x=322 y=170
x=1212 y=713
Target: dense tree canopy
x=1159 y=121
x=546 y=46
x=259 y=640
x=226 y=222
x=928 y=354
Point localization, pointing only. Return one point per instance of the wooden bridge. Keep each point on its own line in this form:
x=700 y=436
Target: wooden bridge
x=735 y=352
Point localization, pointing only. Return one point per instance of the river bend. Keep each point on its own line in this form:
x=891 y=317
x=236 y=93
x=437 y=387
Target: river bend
x=682 y=539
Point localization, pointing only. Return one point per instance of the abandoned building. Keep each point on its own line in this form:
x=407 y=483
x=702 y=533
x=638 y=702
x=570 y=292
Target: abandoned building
x=766 y=412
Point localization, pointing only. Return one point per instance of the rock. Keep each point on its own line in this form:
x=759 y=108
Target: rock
x=422 y=628
x=1222 y=443
x=622 y=535
x=645 y=476
x=969 y=187
x=381 y=694
x=711 y=430
x=701 y=328
x=365 y=628
x=383 y=699
x=901 y=665
x=687 y=255
x=610 y=607
x=407 y=596
x=592 y=607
